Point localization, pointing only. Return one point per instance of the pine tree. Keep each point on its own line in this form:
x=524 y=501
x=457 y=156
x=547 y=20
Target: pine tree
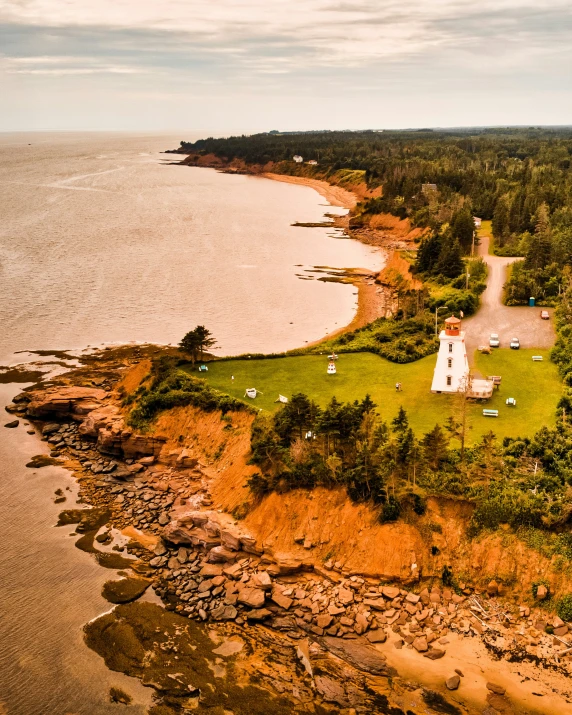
x=450 y=263
x=500 y=223
x=462 y=228
x=435 y=445
x=428 y=253
x=400 y=422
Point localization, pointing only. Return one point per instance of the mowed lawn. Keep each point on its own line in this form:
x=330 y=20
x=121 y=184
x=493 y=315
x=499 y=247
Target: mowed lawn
x=535 y=386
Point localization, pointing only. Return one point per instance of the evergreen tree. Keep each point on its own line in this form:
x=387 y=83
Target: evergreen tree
x=297 y=416
x=500 y=223
x=540 y=245
x=450 y=263
x=400 y=422
x=462 y=228
x=434 y=445
x=428 y=253
x=197 y=341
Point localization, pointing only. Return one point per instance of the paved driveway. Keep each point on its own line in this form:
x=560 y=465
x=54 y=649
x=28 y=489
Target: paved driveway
x=509 y=322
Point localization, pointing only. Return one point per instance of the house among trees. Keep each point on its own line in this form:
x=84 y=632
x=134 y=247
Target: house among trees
x=428 y=188
x=298 y=159
x=313 y=162
x=478 y=221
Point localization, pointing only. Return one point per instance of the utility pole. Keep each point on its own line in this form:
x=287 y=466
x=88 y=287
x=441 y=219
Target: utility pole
x=467 y=282
x=473 y=245
x=441 y=307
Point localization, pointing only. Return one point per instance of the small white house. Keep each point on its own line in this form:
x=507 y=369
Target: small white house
x=477 y=221
x=452 y=366
x=313 y=162
x=298 y=159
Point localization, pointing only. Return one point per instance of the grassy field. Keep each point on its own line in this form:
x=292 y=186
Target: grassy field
x=535 y=386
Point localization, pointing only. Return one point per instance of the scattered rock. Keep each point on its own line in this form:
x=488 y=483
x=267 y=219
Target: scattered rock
x=497 y=689
x=12 y=424
x=420 y=644
x=493 y=588
x=453 y=682
x=116 y=695
x=258 y=614
x=224 y=613
x=377 y=635
x=253 y=597
x=357 y=653
x=303 y=654
x=125 y=590
x=434 y=653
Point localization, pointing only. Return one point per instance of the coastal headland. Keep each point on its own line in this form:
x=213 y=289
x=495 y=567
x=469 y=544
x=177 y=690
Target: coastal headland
x=295 y=601
x=352 y=614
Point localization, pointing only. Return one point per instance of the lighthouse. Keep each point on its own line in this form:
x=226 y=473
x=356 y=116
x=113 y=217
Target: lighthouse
x=452 y=365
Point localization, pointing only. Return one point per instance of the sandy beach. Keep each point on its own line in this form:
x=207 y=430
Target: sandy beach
x=372 y=299
x=334 y=194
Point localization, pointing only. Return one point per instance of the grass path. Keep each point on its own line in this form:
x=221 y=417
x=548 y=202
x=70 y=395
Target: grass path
x=535 y=386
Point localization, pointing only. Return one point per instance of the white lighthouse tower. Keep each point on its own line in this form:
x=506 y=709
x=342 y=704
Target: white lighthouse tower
x=452 y=365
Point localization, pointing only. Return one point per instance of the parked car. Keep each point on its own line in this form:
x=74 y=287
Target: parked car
x=515 y=344
x=494 y=341
x=545 y=315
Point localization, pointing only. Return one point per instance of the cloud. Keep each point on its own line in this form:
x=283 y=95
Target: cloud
x=321 y=31
x=315 y=49
x=62 y=65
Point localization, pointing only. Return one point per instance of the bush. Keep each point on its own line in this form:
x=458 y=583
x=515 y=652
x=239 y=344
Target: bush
x=508 y=505
x=390 y=511
x=457 y=300
x=172 y=387
x=564 y=607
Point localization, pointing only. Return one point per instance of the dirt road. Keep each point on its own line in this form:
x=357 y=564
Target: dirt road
x=494 y=317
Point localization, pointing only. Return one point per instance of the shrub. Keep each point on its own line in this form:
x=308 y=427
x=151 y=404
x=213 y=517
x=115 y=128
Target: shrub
x=390 y=511
x=564 y=607
x=172 y=387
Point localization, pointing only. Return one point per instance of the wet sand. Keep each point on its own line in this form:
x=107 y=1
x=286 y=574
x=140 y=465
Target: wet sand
x=334 y=195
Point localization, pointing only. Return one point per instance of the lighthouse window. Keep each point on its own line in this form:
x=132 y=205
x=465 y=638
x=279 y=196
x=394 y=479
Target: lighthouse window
x=450 y=347
x=449 y=362
x=449 y=380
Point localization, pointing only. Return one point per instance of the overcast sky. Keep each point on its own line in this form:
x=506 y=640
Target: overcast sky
x=215 y=65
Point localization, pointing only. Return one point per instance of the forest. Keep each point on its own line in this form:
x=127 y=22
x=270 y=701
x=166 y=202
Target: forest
x=518 y=178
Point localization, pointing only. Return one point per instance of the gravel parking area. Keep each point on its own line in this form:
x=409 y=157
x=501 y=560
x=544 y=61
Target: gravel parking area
x=509 y=322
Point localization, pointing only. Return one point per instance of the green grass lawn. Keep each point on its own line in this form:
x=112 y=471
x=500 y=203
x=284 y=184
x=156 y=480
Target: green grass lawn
x=535 y=386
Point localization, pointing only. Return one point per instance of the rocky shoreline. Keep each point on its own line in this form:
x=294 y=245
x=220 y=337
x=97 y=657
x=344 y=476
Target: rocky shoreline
x=153 y=503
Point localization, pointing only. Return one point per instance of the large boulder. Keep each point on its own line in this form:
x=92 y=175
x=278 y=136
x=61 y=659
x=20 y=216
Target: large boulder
x=253 y=597
x=362 y=656
x=65 y=401
x=117 y=440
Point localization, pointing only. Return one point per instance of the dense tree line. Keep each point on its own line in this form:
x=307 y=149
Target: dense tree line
x=521 y=482
x=504 y=174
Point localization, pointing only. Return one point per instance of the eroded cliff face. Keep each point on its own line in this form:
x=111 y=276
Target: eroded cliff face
x=321 y=529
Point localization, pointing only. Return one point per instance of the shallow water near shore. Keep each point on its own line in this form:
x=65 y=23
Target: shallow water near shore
x=48 y=591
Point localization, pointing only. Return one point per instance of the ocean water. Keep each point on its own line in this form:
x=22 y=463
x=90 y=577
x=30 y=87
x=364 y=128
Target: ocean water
x=103 y=239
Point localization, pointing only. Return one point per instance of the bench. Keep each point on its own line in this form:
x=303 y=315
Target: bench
x=495 y=379
x=537 y=358
x=490 y=413
x=511 y=402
